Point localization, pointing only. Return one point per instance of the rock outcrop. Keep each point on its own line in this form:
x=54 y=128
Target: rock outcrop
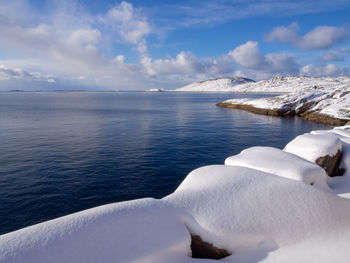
x=202 y=249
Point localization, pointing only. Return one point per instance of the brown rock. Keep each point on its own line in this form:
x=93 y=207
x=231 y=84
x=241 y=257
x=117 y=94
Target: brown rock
x=331 y=164
x=202 y=249
x=288 y=111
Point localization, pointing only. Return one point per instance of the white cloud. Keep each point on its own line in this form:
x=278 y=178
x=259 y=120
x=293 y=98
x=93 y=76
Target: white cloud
x=331 y=56
x=321 y=70
x=20 y=74
x=249 y=57
x=186 y=63
x=71 y=42
x=321 y=37
x=129 y=24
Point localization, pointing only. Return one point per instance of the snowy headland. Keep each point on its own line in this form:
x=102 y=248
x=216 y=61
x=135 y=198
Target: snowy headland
x=320 y=99
x=324 y=100
x=263 y=205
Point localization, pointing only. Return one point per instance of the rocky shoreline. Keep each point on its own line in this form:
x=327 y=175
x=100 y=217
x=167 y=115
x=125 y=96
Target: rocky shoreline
x=306 y=113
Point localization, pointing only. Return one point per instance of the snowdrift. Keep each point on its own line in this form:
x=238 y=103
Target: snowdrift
x=264 y=205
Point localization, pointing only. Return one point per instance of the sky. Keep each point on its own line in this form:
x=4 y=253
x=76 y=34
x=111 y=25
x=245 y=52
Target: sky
x=138 y=45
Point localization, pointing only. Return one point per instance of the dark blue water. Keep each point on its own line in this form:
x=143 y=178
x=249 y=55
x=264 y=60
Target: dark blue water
x=64 y=152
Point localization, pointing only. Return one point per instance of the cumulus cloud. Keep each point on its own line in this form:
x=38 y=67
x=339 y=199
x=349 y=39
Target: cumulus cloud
x=249 y=57
x=330 y=56
x=129 y=24
x=320 y=37
x=20 y=74
x=188 y=64
x=71 y=42
x=321 y=70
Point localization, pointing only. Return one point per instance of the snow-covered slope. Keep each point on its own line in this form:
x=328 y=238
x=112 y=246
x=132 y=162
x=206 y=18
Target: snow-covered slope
x=215 y=85
x=325 y=100
x=269 y=212
x=274 y=85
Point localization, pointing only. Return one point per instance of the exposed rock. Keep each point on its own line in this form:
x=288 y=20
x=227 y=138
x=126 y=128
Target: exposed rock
x=271 y=112
x=324 y=119
x=202 y=249
x=288 y=111
x=331 y=164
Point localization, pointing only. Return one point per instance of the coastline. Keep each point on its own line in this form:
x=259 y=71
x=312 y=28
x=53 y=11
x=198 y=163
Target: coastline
x=280 y=112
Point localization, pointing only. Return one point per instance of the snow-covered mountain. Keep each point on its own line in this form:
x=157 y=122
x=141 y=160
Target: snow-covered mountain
x=216 y=85
x=274 y=85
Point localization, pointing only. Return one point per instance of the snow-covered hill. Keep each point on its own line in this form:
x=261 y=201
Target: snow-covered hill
x=274 y=85
x=216 y=85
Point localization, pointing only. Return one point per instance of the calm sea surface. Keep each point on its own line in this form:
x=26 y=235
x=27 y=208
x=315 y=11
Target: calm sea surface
x=61 y=152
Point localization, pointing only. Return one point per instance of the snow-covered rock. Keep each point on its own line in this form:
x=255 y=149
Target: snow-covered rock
x=340 y=184
x=253 y=213
x=312 y=146
x=325 y=150
x=278 y=162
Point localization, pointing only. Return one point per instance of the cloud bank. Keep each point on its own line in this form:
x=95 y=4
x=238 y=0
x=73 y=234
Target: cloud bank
x=67 y=45
x=320 y=37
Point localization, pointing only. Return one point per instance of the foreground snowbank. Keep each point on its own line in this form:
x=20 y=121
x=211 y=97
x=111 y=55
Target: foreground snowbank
x=266 y=205
x=136 y=231
x=284 y=164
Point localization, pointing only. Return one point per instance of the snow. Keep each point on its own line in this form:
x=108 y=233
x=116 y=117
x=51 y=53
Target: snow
x=328 y=96
x=155 y=90
x=340 y=184
x=312 y=146
x=216 y=85
x=278 y=84
x=136 y=231
x=249 y=210
x=260 y=207
x=278 y=162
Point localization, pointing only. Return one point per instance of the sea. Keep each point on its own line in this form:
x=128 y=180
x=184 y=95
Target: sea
x=63 y=152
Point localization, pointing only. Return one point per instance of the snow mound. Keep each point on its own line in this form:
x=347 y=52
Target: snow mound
x=312 y=146
x=251 y=210
x=340 y=184
x=136 y=231
x=278 y=162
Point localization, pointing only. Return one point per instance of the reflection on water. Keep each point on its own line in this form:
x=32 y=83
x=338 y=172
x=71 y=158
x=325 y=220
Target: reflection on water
x=64 y=152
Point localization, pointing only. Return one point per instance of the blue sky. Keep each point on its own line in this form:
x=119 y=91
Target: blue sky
x=136 y=45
